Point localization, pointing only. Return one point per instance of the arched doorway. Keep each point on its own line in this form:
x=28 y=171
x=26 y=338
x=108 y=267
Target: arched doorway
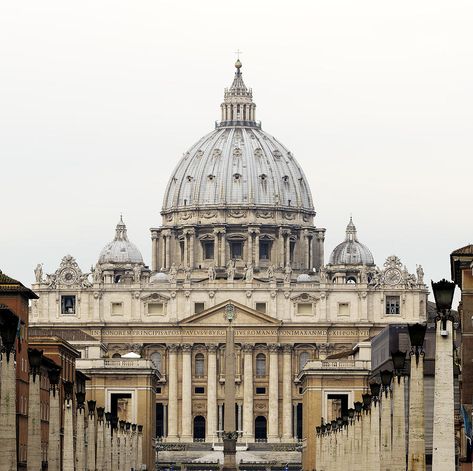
x=260 y=428
x=199 y=428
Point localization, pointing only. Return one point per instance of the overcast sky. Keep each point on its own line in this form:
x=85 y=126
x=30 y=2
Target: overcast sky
x=99 y=99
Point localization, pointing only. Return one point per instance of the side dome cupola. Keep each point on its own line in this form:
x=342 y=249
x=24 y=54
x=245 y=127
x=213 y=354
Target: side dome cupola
x=351 y=251
x=120 y=249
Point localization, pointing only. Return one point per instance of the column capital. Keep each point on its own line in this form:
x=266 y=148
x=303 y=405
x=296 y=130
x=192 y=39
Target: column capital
x=155 y=234
x=212 y=347
x=287 y=348
x=273 y=348
x=173 y=347
x=248 y=347
x=186 y=347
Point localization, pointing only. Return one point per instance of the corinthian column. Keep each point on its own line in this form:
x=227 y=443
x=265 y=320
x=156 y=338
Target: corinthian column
x=273 y=406
x=34 y=412
x=287 y=393
x=186 y=415
x=154 y=250
x=211 y=393
x=216 y=248
x=248 y=434
x=172 y=392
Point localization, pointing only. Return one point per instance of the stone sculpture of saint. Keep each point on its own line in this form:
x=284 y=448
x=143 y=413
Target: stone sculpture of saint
x=323 y=274
x=271 y=272
x=363 y=274
x=287 y=273
x=230 y=270
x=97 y=274
x=249 y=273
x=420 y=275
x=38 y=273
x=187 y=273
x=211 y=273
x=136 y=274
x=173 y=273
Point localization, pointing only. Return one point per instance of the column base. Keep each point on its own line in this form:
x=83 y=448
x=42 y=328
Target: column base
x=274 y=440
x=172 y=438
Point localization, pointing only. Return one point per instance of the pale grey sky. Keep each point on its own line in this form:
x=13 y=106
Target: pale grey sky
x=99 y=99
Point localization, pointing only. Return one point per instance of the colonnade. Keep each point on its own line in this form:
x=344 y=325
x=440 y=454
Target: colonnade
x=183 y=410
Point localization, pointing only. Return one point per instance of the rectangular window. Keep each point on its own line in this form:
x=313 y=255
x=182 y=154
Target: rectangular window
x=208 y=250
x=68 y=304
x=264 y=249
x=158 y=390
x=199 y=390
x=198 y=307
x=236 y=250
x=392 y=305
x=117 y=309
x=261 y=307
x=155 y=309
x=260 y=390
x=343 y=309
x=304 y=308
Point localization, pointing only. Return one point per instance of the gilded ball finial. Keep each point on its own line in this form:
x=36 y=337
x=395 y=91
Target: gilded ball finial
x=238 y=64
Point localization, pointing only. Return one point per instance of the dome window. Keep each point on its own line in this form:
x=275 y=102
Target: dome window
x=236 y=177
x=211 y=177
x=263 y=177
x=285 y=179
x=189 y=178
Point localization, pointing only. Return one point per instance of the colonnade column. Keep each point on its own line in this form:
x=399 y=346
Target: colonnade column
x=54 y=438
x=211 y=393
x=287 y=393
x=8 y=408
x=34 y=412
x=172 y=388
x=154 y=250
x=273 y=414
x=248 y=434
x=186 y=415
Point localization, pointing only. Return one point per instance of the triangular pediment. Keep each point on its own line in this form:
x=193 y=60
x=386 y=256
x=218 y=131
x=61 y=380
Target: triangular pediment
x=243 y=315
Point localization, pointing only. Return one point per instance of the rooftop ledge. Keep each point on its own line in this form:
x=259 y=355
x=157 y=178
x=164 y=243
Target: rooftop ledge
x=247 y=124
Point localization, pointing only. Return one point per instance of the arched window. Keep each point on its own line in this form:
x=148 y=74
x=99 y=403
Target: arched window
x=303 y=359
x=261 y=364
x=199 y=365
x=156 y=360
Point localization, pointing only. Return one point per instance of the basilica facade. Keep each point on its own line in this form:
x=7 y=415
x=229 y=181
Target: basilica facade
x=238 y=228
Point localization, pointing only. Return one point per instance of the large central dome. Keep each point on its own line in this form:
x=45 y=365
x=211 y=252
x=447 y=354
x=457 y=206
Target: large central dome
x=238 y=164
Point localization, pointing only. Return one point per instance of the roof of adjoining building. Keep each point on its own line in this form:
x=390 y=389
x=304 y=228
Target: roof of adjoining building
x=11 y=286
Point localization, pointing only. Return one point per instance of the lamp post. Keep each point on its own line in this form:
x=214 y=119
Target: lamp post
x=115 y=444
x=351 y=437
x=91 y=436
x=107 y=443
x=8 y=330
x=54 y=439
x=139 y=451
x=80 y=427
x=357 y=436
x=365 y=430
x=416 y=441
x=385 y=450
x=35 y=358
x=398 y=454
x=127 y=446
x=374 y=461
x=100 y=438
x=122 y=457
x=443 y=446
x=68 y=440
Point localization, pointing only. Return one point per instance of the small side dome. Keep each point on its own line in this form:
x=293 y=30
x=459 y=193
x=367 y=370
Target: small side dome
x=120 y=250
x=351 y=251
x=159 y=277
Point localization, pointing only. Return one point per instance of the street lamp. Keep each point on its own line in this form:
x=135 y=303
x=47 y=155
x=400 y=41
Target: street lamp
x=416 y=441
x=443 y=444
x=399 y=361
x=35 y=357
x=373 y=447
x=8 y=330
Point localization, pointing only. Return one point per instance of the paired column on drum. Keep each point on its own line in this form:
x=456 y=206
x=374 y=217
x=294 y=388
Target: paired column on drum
x=287 y=393
x=211 y=393
x=248 y=434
